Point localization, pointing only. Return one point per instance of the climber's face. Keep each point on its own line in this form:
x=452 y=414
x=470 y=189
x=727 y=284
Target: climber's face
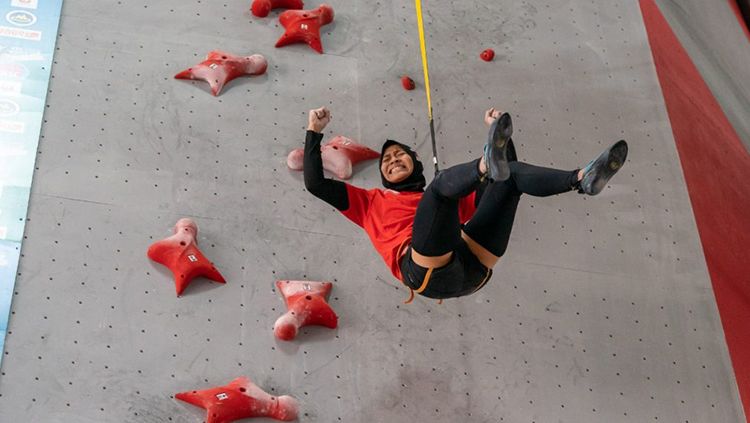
x=396 y=164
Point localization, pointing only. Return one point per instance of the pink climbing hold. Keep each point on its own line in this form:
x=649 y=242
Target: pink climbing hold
x=340 y=155
x=303 y=26
x=240 y=399
x=219 y=68
x=261 y=8
x=296 y=159
x=306 y=305
x=407 y=83
x=181 y=255
x=487 y=55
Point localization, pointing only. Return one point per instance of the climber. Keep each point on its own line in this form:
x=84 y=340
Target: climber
x=443 y=242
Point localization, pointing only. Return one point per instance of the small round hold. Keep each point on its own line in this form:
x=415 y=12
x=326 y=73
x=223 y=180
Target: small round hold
x=487 y=55
x=407 y=83
x=261 y=8
x=285 y=332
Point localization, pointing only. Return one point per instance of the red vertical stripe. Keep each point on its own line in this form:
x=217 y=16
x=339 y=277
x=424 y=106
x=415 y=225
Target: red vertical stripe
x=717 y=171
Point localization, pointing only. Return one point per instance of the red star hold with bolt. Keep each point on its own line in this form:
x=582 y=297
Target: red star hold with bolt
x=181 y=255
x=240 y=399
x=306 y=305
x=220 y=67
x=340 y=155
x=303 y=26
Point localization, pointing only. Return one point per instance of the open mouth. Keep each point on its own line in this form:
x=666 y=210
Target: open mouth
x=395 y=168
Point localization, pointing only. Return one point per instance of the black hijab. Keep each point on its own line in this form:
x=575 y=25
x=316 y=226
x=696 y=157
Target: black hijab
x=415 y=182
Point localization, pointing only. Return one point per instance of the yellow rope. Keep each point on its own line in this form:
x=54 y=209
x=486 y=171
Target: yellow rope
x=422 y=47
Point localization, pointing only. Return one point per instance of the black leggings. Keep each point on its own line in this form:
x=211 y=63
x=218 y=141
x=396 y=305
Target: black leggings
x=437 y=229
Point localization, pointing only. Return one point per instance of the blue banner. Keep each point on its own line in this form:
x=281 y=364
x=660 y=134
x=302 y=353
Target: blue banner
x=28 y=31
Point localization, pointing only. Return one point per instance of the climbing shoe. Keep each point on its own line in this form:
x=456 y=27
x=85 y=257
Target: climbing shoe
x=600 y=170
x=495 y=151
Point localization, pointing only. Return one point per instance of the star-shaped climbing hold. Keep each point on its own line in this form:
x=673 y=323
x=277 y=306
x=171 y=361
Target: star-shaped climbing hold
x=339 y=156
x=240 y=399
x=260 y=8
x=303 y=26
x=306 y=305
x=220 y=67
x=181 y=255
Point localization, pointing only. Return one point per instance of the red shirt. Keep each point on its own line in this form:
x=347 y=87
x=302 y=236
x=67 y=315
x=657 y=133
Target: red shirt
x=388 y=217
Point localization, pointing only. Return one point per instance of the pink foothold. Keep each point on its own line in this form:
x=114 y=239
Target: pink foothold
x=407 y=83
x=487 y=55
x=295 y=159
x=240 y=399
x=261 y=8
x=340 y=155
x=181 y=255
x=219 y=68
x=306 y=305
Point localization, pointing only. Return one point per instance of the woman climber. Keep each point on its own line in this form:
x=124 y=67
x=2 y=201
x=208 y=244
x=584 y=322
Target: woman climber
x=443 y=241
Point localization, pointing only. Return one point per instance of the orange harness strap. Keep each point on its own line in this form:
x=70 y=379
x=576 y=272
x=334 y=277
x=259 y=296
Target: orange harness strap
x=486 y=279
x=427 y=282
x=421 y=289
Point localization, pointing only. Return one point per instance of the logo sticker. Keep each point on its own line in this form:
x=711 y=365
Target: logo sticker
x=222 y=396
x=8 y=108
x=21 y=18
x=192 y=258
x=24 y=34
x=12 y=126
x=11 y=88
x=16 y=150
x=19 y=54
x=28 y=4
x=13 y=71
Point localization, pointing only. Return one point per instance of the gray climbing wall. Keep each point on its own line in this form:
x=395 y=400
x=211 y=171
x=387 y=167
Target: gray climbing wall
x=601 y=311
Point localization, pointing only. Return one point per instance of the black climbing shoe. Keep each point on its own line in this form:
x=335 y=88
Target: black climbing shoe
x=510 y=153
x=495 y=151
x=599 y=171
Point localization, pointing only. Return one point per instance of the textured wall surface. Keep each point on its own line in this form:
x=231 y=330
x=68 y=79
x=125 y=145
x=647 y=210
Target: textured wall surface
x=602 y=310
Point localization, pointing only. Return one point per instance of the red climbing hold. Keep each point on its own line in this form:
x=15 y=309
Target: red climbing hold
x=303 y=26
x=340 y=155
x=407 y=83
x=261 y=8
x=487 y=55
x=306 y=305
x=181 y=255
x=219 y=68
x=240 y=399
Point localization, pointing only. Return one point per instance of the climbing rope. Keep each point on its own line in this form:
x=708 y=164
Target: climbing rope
x=422 y=47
